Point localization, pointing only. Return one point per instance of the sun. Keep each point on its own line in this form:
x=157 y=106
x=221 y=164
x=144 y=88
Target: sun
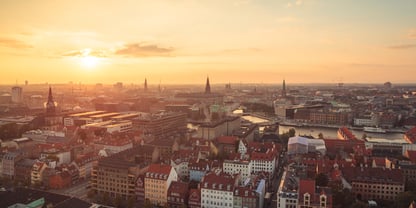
x=87 y=60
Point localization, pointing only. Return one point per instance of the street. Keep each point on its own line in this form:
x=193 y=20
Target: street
x=78 y=190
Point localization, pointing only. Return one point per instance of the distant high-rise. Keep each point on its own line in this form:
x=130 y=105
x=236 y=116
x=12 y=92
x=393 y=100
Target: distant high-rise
x=207 y=87
x=284 y=89
x=50 y=105
x=17 y=94
x=145 y=84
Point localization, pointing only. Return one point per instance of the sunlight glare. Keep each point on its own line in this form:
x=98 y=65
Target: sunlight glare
x=87 y=60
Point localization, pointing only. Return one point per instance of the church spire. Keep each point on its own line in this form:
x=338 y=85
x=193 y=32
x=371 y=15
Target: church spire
x=50 y=97
x=145 y=84
x=284 y=89
x=207 y=87
x=50 y=105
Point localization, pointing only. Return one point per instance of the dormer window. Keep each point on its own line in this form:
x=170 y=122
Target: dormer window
x=323 y=201
x=306 y=199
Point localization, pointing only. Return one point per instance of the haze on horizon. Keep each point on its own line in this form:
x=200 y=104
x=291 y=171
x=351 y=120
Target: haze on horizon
x=183 y=41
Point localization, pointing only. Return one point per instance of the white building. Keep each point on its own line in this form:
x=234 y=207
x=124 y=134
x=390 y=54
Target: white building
x=36 y=174
x=263 y=162
x=41 y=136
x=217 y=190
x=242 y=167
x=110 y=126
x=297 y=145
x=280 y=107
x=215 y=129
x=368 y=120
x=62 y=156
x=180 y=161
x=302 y=145
x=114 y=146
x=9 y=161
x=263 y=157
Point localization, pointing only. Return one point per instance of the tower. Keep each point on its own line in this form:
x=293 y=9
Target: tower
x=17 y=94
x=207 y=87
x=145 y=84
x=50 y=105
x=284 y=89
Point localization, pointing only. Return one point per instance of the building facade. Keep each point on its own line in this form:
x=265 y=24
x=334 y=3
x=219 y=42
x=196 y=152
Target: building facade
x=157 y=180
x=217 y=190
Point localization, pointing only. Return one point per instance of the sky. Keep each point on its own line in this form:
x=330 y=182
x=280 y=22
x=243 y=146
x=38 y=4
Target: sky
x=184 y=41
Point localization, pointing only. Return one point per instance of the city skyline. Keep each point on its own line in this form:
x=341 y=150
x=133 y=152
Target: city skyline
x=304 y=41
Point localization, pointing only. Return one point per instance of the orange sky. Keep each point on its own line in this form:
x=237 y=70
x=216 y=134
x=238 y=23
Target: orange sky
x=183 y=41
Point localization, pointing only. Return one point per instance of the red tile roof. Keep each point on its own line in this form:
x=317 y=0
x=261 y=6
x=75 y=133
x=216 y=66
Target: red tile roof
x=246 y=192
x=178 y=189
x=218 y=181
x=410 y=136
x=373 y=175
x=309 y=186
x=306 y=186
x=231 y=140
x=346 y=133
x=194 y=198
x=199 y=165
x=158 y=171
x=335 y=145
x=379 y=161
x=411 y=154
x=184 y=155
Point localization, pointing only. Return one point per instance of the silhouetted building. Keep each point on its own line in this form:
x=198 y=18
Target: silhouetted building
x=50 y=104
x=17 y=96
x=284 y=89
x=207 y=87
x=53 y=119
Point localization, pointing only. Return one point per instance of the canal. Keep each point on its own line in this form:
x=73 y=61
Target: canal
x=331 y=133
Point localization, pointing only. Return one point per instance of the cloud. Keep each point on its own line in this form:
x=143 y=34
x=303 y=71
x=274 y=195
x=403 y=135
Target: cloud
x=144 y=50
x=402 y=46
x=86 y=52
x=13 y=43
x=412 y=34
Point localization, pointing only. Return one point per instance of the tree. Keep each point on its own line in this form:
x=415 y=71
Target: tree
x=321 y=179
x=364 y=136
x=91 y=194
x=118 y=201
x=106 y=198
x=148 y=204
x=405 y=198
x=343 y=198
x=130 y=202
x=411 y=186
x=292 y=132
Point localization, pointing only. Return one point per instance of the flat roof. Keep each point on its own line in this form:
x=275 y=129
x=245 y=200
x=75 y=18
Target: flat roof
x=86 y=113
x=125 y=115
x=104 y=115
